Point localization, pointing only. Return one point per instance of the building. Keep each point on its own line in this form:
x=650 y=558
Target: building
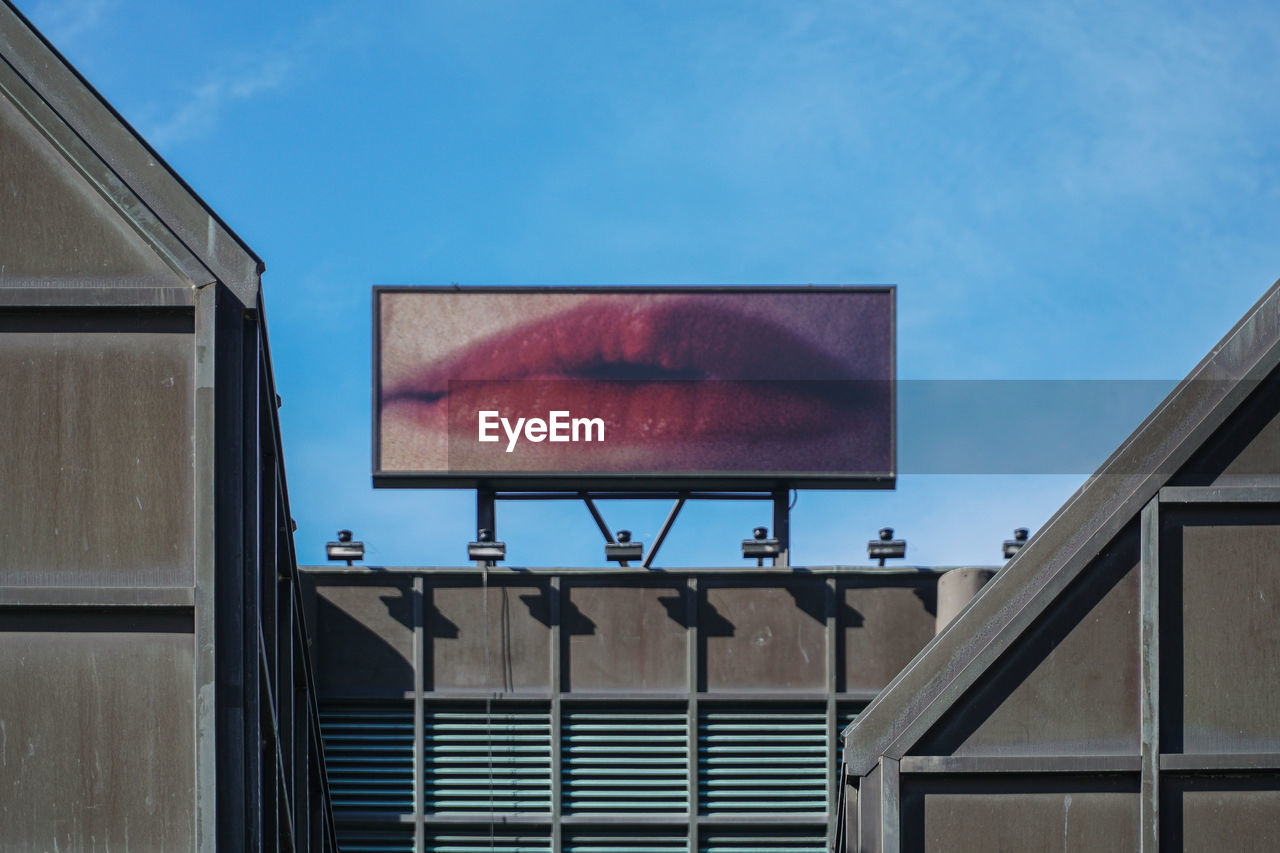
x=157 y=691
x=172 y=680
x=596 y=710
x=1115 y=687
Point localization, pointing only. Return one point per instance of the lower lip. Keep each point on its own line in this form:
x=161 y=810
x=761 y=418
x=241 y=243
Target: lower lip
x=660 y=426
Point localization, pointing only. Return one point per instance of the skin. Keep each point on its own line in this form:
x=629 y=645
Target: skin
x=420 y=331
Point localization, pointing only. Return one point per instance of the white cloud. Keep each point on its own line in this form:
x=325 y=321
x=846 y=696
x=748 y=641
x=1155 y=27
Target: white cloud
x=200 y=114
x=65 y=21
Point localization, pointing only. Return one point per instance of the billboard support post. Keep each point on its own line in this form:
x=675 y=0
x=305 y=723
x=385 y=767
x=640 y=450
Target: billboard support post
x=486 y=515
x=782 y=526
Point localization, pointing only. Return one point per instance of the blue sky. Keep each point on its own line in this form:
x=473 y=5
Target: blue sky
x=1086 y=191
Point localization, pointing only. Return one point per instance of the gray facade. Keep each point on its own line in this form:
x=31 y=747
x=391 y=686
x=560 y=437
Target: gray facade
x=1115 y=686
x=600 y=709
x=156 y=690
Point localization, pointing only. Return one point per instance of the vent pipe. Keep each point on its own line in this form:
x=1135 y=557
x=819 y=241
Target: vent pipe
x=955 y=588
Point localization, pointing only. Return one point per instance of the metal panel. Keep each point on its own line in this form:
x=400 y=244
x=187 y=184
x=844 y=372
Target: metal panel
x=762 y=759
x=625 y=637
x=97 y=722
x=58 y=229
x=369 y=752
x=1069 y=686
x=763 y=637
x=99 y=412
x=487 y=759
x=629 y=761
x=363 y=636
x=1245 y=451
x=1221 y=813
x=941 y=815
x=1227 y=670
x=883 y=624
x=497 y=640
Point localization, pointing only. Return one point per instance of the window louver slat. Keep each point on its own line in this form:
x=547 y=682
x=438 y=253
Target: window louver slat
x=631 y=842
x=764 y=841
x=762 y=759
x=478 y=762
x=483 y=842
x=629 y=762
x=369 y=753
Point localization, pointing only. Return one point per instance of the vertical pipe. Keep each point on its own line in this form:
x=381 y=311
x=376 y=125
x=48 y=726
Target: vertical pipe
x=956 y=589
x=692 y=683
x=555 y=591
x=833 y=716
x=782 y=526
x=419 y=718
x=486 y=515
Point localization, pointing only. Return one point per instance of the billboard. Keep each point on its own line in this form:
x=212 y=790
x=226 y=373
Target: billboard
x=637 y=388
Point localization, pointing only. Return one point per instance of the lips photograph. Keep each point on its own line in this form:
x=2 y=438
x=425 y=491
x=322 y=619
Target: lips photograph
x=644 y=384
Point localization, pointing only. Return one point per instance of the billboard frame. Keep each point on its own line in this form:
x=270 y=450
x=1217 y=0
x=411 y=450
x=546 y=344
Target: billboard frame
x=612 y=481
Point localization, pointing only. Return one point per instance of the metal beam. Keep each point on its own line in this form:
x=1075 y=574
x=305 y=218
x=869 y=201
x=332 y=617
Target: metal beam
x=203 y=520
x=98 y=596
x=1149 y=608
x=662 y=533
x=890 y=797
x=1220 y=494
x=1214 y=763
x=599 y=519
x=1020 y=764
x=419 y=716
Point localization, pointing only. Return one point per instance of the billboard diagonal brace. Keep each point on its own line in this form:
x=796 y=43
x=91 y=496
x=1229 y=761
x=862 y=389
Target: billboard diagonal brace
x=662 y=534
x=595 y=513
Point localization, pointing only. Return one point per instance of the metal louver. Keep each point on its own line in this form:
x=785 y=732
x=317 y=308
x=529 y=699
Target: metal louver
x=498 y=761
x=480 y=841
x=360 y=839
x=762 y=759
x=639 y=841
x=765 y=841
x=626 y=761
x=368 y=749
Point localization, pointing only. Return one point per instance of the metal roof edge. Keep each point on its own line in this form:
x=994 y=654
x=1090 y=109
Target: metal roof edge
x=1077 y=533
x=133 y=162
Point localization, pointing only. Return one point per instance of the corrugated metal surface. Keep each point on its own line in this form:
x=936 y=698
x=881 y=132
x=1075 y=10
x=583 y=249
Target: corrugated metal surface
x=626 y=761
x=369 y=752
x=628 y=842
x=764 y=841
x=762 y=759
x=482 y=841
x=480 y=760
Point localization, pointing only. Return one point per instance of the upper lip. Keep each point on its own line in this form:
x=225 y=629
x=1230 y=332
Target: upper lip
x=632 y=341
